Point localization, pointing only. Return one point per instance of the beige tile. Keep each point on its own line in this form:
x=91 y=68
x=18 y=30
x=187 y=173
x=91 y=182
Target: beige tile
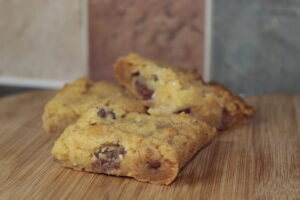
x=42 y=39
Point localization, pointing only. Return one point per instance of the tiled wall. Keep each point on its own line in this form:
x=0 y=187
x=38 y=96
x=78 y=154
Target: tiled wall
x=256 y=45
x=168 y=30
x=42 y=39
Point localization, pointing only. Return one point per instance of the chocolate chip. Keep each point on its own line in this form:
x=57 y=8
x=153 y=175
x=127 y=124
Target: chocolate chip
x=146 y=110
x=105 y=165
x=154 y=164
x=187 y=111
x=154 y=77
x=143 y=90
x=109 y=157
x=135 y=74
x=101 y=113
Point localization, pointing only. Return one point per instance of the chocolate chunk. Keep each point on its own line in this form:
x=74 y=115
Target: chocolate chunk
x=135 y=74
x=154 y=164
x=226 y=118
x=105 y=165
x=101 y=113
x=113 y=115
x=143 y=90
x=154 y=77
x=109 y=157
x=187 y=111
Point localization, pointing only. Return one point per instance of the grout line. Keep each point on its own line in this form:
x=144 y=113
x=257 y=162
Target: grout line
x=207 y=39
x=85 y=35
x=28 y=82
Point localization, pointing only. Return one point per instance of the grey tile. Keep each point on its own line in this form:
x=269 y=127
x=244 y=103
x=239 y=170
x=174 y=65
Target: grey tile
x=256 y=45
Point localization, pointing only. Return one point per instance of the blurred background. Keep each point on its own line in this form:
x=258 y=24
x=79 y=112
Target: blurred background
x=253 y=47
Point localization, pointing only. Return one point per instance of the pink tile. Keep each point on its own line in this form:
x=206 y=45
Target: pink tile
x=171 y=31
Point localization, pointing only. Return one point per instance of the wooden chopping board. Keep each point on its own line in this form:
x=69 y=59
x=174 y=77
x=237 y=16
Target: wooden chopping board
x=260 y=160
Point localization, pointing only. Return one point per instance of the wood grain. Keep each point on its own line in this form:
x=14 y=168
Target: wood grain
x=258 y=161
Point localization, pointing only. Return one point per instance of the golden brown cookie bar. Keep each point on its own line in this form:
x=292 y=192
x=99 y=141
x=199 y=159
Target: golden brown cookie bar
x=75 y=98
x=148 y=148
x=169 y=90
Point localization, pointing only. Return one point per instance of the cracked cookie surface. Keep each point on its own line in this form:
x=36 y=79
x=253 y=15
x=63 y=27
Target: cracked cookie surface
x=169 y=90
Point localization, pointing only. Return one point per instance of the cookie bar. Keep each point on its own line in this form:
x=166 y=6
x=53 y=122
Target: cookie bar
x=168 y=90
x=75 y=98
x=116 y=142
